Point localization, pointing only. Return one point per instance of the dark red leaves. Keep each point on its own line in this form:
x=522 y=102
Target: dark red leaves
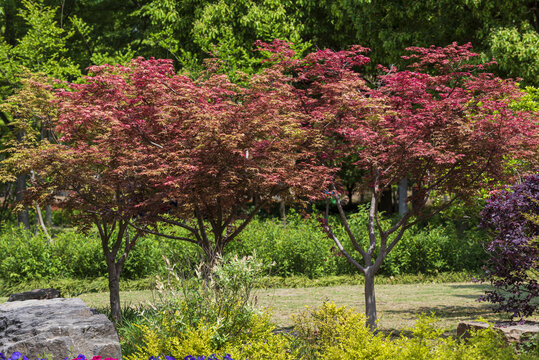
x=513 y=216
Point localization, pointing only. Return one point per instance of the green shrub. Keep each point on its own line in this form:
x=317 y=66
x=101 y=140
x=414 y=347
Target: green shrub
x=27 y=257
x=71 y=254
x=332 y=332
x=430 y=250
x=81 y=254
x=301 y=248
x=529 y=346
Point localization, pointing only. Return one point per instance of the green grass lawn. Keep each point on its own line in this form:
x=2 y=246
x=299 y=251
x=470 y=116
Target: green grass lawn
x=398 y=305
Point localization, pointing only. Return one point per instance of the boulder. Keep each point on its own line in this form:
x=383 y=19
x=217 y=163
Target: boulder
x=56 y=328
x=512 y=332
x=37 y=294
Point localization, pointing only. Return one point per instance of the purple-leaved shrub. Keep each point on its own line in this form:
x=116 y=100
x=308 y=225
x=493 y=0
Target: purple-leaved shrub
x=513 y=216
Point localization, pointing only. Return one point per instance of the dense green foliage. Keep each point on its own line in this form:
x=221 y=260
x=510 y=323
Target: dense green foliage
x=78 y=256
x=503 y=29
x=80 y=33
x=301 y=248
x=298 y=249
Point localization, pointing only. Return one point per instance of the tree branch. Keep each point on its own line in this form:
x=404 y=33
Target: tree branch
x=372 y=214
x=246 y=221
x=148 y=231
x=177 y=223
x=341 y=249
x=345 y=223
x=200 y=220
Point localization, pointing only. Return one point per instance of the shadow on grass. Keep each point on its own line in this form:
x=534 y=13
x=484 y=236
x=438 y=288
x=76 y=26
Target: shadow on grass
x=469 y=286
x=447 y=312
x=467 y=296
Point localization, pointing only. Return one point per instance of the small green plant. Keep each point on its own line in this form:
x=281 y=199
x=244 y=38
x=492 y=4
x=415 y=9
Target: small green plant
x=529 y=347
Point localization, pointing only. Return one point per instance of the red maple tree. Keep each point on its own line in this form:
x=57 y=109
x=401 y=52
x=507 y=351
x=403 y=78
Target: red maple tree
x=140 y=145
x=444 y=124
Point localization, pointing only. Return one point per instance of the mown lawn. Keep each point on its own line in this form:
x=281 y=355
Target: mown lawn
x=398 y=305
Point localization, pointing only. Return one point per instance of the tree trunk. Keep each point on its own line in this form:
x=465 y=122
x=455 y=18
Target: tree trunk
x=212 y=255
x=40 y=223
x=350 y=194
x=370 y=298
x=403 y=194
x=114 y=290
x=22 y=216
x=386 y=201
x=10 y=14
x=48 y=216
x=282 y=211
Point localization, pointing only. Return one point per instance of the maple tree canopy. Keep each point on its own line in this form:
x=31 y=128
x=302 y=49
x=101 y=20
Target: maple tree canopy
x=443 y=123
x=170 y=146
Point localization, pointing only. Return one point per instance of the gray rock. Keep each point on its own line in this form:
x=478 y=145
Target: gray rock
x=37 y=294
x=57 y=328
x=513 y=333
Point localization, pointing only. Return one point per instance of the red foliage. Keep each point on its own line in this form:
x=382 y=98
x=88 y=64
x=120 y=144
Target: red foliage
x=199 y=150
x=444 y=124
x=142 y=145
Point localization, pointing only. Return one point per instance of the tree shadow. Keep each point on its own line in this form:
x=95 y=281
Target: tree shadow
x=466 y=296
x=447 y=312
x=470 y=286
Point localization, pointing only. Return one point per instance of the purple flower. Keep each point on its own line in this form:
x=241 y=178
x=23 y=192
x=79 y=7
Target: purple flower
x=211 y=357
x=17 y=355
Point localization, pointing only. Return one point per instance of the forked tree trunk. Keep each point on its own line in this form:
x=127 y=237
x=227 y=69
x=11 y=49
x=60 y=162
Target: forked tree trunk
x=115 y=263
x=370 y=298
x=386 y=242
